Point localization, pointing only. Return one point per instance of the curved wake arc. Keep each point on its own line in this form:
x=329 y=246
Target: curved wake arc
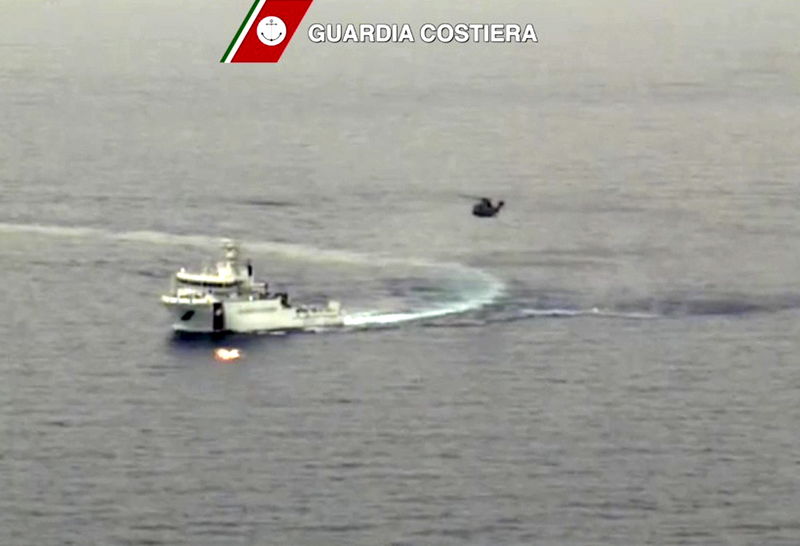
x=487 y=288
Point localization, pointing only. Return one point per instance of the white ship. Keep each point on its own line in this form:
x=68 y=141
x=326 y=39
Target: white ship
x=226 y=298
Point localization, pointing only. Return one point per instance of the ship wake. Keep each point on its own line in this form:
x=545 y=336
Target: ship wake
x=469 y=289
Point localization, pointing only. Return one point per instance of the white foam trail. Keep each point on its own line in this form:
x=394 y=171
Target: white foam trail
x=554 y=313
x=53 y=231
x=491 y=287
x=290 y=250
x=154 y=237
x=593 y=312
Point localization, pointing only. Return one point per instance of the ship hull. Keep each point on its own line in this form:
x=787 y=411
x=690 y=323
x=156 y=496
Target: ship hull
x=247 y=316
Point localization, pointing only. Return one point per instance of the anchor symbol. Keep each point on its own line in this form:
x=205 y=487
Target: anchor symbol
x=271 y=31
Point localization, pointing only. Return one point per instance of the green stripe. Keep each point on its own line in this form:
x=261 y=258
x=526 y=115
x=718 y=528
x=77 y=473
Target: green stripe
x=241 y=28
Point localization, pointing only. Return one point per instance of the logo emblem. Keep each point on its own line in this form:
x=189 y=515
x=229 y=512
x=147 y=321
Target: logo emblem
x=270 y=23
x=271 y=30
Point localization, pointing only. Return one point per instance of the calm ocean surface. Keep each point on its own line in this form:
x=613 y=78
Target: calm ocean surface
x=614 y=360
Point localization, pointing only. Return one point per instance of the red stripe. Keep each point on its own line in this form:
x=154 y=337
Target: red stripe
x=253 y=50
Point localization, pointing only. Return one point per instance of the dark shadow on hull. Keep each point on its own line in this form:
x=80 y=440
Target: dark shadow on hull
x=195 y=337
x=223 y=339
x=202 y=346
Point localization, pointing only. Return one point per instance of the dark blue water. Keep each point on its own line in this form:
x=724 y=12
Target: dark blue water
x=611 y=361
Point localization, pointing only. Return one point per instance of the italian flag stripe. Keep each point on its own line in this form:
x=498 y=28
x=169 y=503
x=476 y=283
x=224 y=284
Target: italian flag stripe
x=249 y=19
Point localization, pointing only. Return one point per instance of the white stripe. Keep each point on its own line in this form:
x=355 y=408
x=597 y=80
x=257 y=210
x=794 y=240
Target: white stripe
x=246 y=30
